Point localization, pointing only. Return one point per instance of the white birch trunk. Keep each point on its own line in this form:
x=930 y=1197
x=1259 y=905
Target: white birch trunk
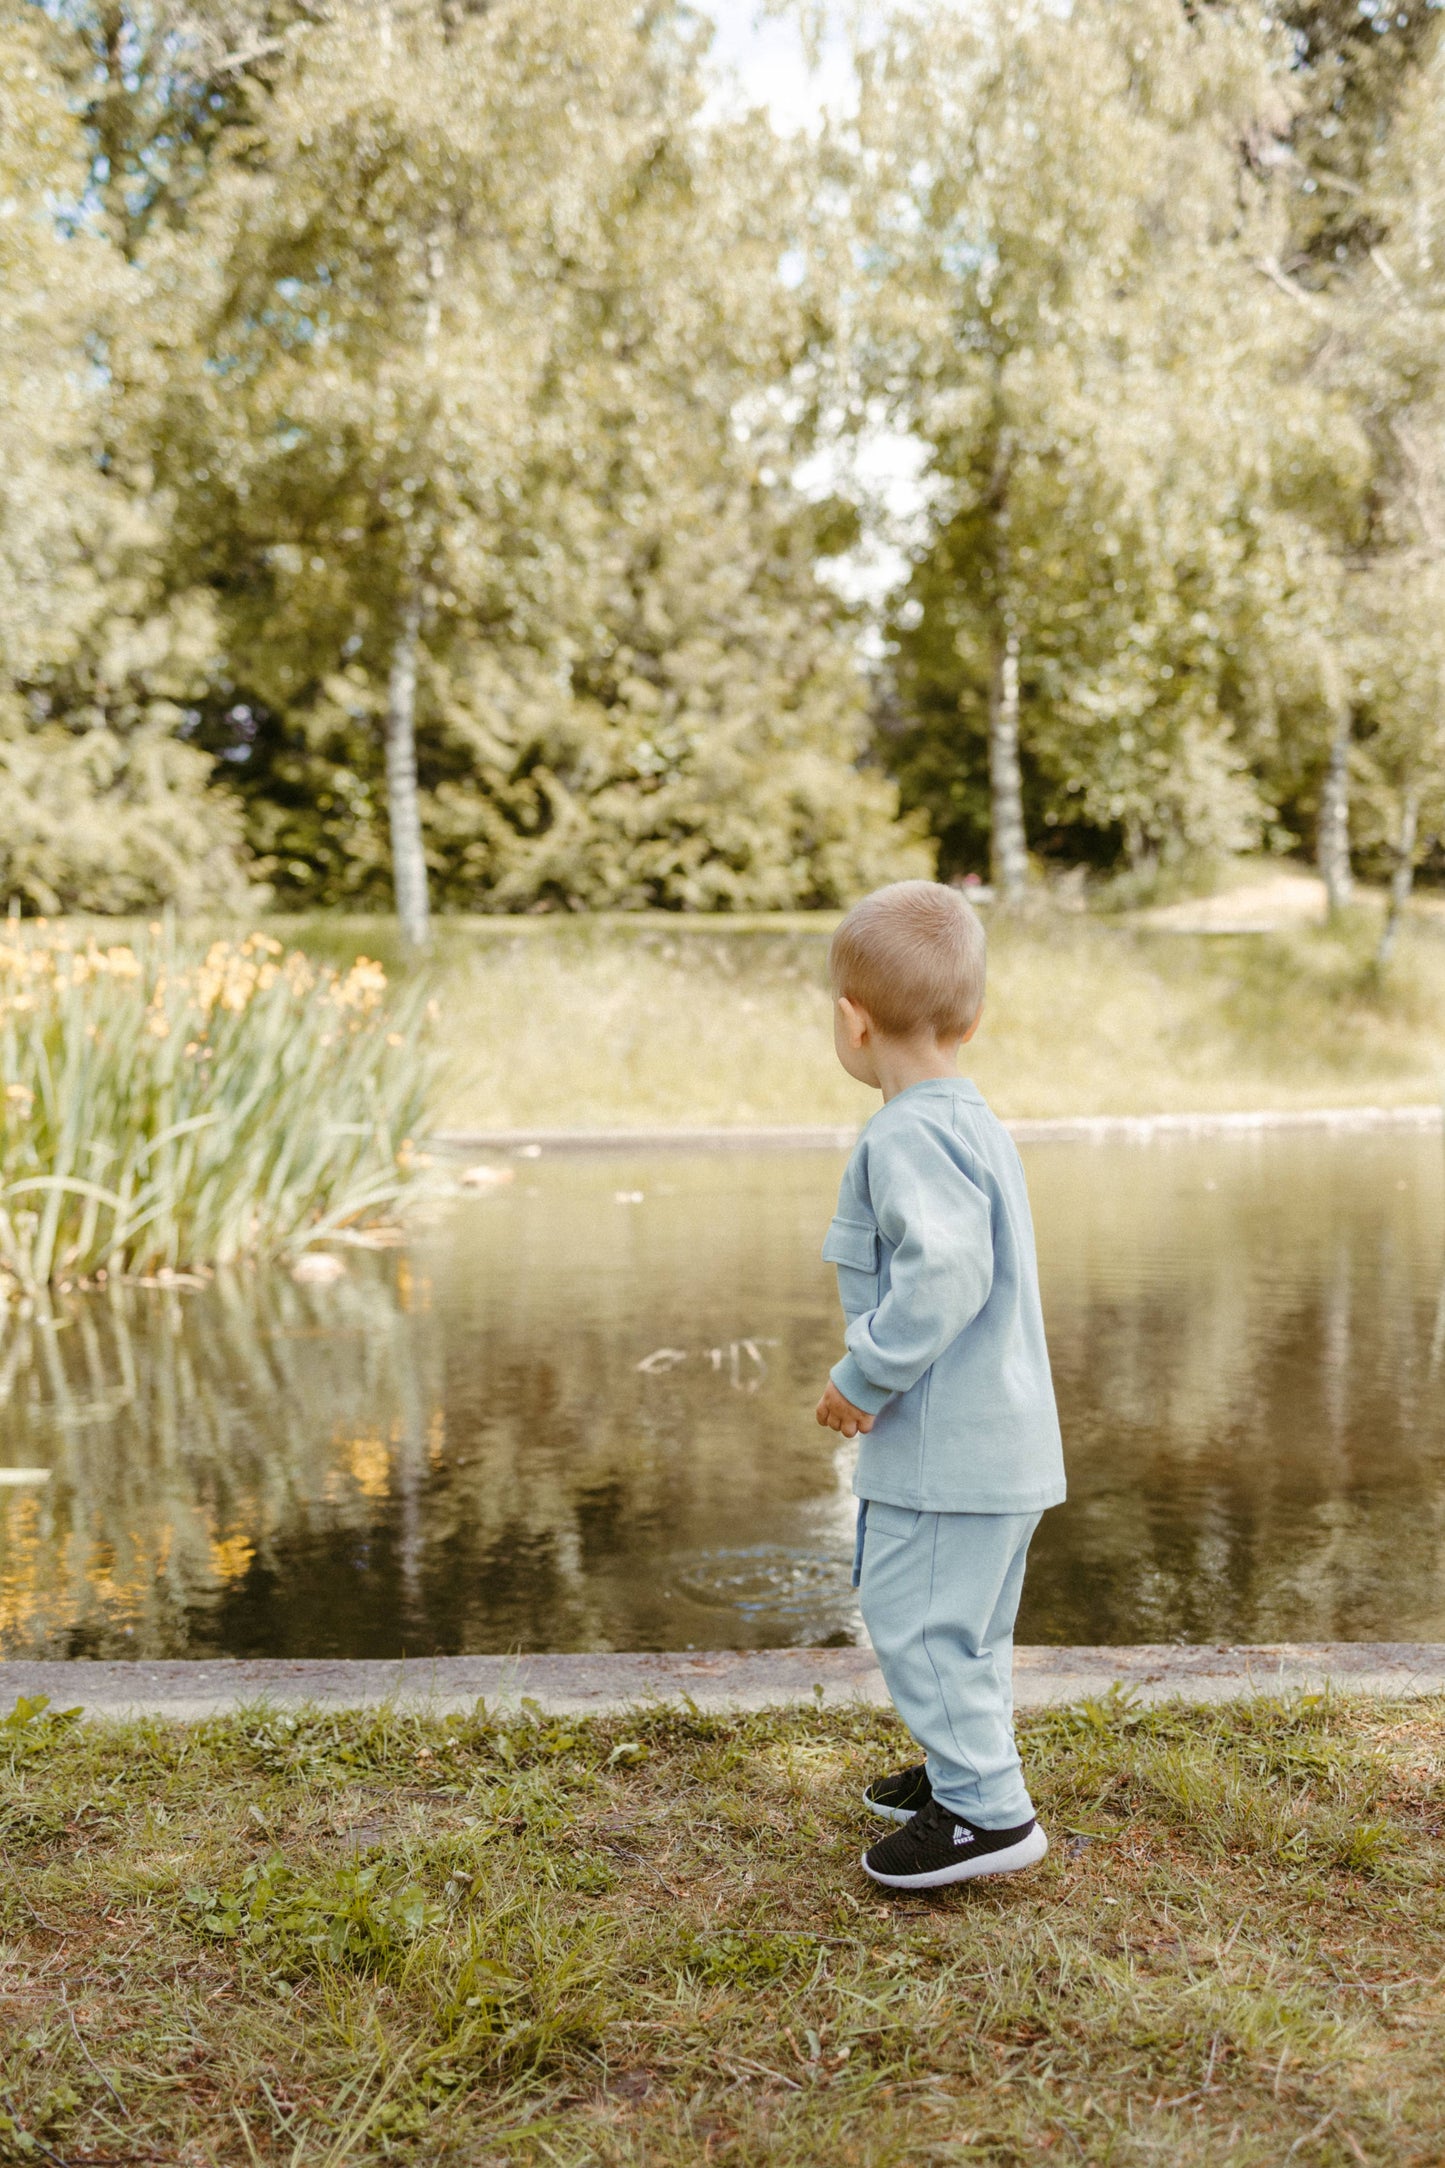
x=408 y=858
x=1333 y=841
x=408 y=852
x=1402 y=879
x=1008 y=846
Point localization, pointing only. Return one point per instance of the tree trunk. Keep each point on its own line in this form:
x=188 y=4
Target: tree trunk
x=408 y=859
x=1008 y=848
x=1333 y=841
x=1402 y=880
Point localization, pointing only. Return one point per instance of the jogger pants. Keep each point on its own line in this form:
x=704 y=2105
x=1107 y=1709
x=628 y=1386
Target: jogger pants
x=939 y=1593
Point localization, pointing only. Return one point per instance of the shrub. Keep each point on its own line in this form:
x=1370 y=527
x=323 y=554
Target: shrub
x=166 y=1110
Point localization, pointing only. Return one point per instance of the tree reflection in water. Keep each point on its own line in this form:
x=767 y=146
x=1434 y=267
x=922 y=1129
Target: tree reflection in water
x=470 y=1446
x=193 y=1436
x=1242 y=1336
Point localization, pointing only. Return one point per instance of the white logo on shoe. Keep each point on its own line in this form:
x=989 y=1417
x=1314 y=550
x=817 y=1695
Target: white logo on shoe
x=962 y=1835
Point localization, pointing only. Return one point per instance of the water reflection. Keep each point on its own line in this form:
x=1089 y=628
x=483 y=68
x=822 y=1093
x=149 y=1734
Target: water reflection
x=192 y=1437
x=577 y=1414
x=1245 y=1338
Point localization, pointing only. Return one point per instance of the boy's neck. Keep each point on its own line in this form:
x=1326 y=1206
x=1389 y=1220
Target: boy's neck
x=901 y=1062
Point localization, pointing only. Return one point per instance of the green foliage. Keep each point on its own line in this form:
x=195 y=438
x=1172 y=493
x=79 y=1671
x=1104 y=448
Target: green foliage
x=101 y=807
x=521 y=319
x=1129 y=463
x=101 y=818
x=161 y=88
x=370 y=386
x=1355 y=67
x=164 y=1110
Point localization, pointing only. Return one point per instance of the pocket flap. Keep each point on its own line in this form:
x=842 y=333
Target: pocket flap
x=852 y=1242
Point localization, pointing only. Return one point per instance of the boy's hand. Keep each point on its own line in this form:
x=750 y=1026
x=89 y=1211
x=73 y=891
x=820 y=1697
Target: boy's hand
x=836 y=1413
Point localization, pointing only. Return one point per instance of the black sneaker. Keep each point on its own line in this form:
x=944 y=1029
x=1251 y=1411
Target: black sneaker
x=898 y=1798
x=934 y=1847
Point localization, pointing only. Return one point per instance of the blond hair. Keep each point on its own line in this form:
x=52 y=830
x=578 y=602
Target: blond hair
x=913 y=955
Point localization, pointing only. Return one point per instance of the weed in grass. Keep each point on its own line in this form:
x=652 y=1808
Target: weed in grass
x=734 y=1956
x=362 y=1918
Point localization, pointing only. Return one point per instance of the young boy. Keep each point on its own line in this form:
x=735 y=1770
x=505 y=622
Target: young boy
x=947 y=1380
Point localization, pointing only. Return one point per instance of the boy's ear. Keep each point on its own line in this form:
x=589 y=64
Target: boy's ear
x=973 y=1027
x=857 y=1023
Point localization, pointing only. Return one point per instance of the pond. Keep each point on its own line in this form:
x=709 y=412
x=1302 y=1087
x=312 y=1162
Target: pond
x=577 y=1414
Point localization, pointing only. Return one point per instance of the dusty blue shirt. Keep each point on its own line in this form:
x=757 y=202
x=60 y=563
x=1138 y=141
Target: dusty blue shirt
x=934 y=1246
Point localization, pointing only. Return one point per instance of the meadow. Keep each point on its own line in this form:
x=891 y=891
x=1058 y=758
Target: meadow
x=188 y=1098
x=669 y=1020
x=315 y=1939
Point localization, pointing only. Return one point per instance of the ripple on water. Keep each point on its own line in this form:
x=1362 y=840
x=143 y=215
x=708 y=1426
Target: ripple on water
x=764 y=1580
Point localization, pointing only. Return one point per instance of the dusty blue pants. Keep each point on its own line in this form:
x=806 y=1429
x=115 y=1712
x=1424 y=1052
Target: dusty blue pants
x=939 y=1593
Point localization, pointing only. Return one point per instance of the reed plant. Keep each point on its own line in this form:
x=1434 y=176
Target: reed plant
x=167 y=1108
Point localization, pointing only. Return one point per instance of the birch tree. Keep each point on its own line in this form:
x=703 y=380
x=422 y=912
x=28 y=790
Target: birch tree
x=1401 y=758
x=1397 y=364
x=1060 y=230
x=482 y=444
x=1362 y=152
x=355 y=420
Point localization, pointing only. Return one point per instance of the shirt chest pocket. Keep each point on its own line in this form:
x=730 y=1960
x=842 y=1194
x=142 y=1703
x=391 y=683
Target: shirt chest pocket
x=852 y=1245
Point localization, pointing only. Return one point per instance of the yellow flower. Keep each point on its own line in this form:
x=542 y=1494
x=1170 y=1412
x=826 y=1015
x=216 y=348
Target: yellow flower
x=211 y=977
x=362 y=987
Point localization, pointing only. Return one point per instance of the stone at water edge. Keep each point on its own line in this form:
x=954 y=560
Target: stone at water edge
x=317 y=1268
x=484 y=1177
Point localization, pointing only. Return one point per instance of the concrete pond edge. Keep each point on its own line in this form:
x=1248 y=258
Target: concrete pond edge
x=840 y=1137
x=720 y=1680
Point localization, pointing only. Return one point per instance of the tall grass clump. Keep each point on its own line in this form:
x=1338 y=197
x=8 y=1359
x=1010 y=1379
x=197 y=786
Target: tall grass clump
x=165 y=1109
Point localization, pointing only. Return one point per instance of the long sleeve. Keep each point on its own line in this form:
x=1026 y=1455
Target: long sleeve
x=939 y=1223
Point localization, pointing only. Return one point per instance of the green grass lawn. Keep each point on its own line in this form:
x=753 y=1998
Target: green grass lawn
x=647 y=1940
x=678 y=1021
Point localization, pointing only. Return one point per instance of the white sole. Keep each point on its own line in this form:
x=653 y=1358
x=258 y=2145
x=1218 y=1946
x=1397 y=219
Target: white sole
x=1026 y=1853
x=887 y=1814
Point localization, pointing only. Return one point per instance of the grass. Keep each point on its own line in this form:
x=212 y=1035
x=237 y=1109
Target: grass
x=169 y=1105
x=316 y=1939
x=593 y=1024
